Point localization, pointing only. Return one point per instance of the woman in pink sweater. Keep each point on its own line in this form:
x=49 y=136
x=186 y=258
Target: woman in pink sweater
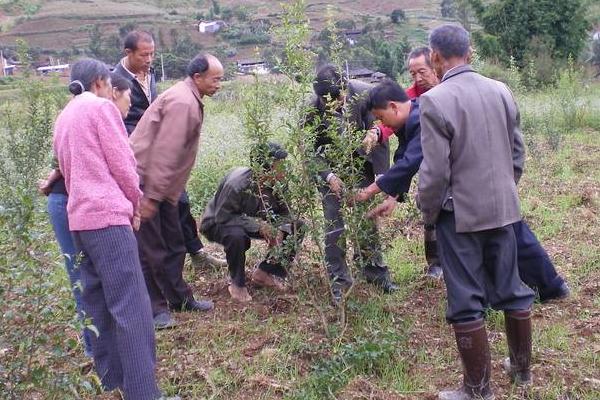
x=93 y=152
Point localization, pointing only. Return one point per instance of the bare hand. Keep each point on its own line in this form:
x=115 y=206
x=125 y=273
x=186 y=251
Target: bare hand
x=371 y=140
x=336 y=185
x=148 y=208
x=384 y=209
x=136 y=221
x=44 y=187
x=366 y=193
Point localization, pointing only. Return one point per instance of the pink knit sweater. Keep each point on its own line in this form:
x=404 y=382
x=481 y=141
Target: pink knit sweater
x=92 y=148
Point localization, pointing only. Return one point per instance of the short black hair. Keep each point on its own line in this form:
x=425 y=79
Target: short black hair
x=450 y=41
x=418 y=52
x=198 y=65
x=133 y=38
x=386 y=91
x=84 y=73
x=265 y=154
x=329 y=81
x=119 y=82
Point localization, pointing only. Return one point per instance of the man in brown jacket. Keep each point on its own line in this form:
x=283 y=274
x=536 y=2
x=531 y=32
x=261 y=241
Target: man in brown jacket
x=165 y=143
x=472 y=159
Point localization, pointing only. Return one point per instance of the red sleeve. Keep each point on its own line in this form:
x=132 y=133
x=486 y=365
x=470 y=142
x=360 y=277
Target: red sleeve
x=412 y=92
x=386 y=132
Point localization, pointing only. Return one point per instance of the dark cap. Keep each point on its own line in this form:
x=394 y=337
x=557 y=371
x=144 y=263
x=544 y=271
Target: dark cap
x=276 y=151
x=265 y=153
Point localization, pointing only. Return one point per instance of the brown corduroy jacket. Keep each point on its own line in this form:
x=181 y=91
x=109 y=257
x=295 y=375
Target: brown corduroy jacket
x=165 y=141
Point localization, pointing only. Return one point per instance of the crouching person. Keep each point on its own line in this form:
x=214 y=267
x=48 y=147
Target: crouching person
x=247 y=206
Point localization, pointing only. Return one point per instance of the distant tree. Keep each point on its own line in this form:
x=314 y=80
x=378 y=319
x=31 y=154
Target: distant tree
x=126 y=28
x=177 y=57
x=386 y=56
x=216 y=8
x=241 y=13
x=345 y=24
x=398 y=15
x=447 y=9
x=595 y=56
x=95 y=42
x=458 y=9
x=522 y=26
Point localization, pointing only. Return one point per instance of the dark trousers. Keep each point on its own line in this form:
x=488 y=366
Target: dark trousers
x=480 y=268
x=369 y=248
x=430 y=242
x=535 y=267
x=236 y=241
x=162 y=254
x=116 y=299
x=191 y=239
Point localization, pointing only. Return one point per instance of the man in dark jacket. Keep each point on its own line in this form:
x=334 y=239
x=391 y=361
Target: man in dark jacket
x=535 y=267
x=246 y=206
x=390 y=104
x=336 y=114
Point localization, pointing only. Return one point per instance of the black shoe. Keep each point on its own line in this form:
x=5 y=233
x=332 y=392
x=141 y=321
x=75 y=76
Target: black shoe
x=337 y=294
x=434 y=271
x=385 y=283
x=562 y=293
x=338 y=291
x=388 y=286
x=164 y=321
x=193 y=305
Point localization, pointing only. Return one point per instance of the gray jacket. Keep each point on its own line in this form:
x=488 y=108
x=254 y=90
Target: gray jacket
x=238 y=202
x=473 y=152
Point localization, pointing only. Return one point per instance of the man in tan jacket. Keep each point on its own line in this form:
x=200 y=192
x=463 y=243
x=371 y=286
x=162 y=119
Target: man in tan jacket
x=165 y=143
x=472 y=159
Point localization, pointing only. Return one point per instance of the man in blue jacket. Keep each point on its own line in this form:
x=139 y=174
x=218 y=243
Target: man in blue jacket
x=391 y=105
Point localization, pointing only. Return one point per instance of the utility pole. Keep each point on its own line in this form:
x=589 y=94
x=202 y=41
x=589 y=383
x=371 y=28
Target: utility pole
x=3 y=63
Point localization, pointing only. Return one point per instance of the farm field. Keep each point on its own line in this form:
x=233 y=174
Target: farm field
x=392 y=346
x=295 y=345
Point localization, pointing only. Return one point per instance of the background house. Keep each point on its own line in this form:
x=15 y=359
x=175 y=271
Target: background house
x=210 y=26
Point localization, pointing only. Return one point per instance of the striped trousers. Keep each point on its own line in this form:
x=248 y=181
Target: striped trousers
x=116 y=299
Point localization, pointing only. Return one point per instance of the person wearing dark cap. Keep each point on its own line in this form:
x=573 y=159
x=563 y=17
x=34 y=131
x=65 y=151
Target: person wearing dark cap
x=336 y=102
x=247 y=206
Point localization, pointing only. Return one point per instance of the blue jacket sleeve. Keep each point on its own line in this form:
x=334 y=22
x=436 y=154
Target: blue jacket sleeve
x=396 y=181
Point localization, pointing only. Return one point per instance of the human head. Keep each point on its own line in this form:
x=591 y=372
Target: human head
x=389 y=103
x=207 y=73
x=329 y=83
x=269 y=156
x=420 y=68
x=450 y=46
x=89 y=75
x=139 y=49
x=121 y=93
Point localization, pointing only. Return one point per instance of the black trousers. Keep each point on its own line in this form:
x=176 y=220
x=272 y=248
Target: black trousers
x=191 y=239
x=480 y=269
x=368 y=254
x=236 y=241
x=535 y=267
x=162 y=254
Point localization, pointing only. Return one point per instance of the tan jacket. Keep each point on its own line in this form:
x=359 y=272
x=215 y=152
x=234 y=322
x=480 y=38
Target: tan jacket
x=165 y=141
x=473 y=152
